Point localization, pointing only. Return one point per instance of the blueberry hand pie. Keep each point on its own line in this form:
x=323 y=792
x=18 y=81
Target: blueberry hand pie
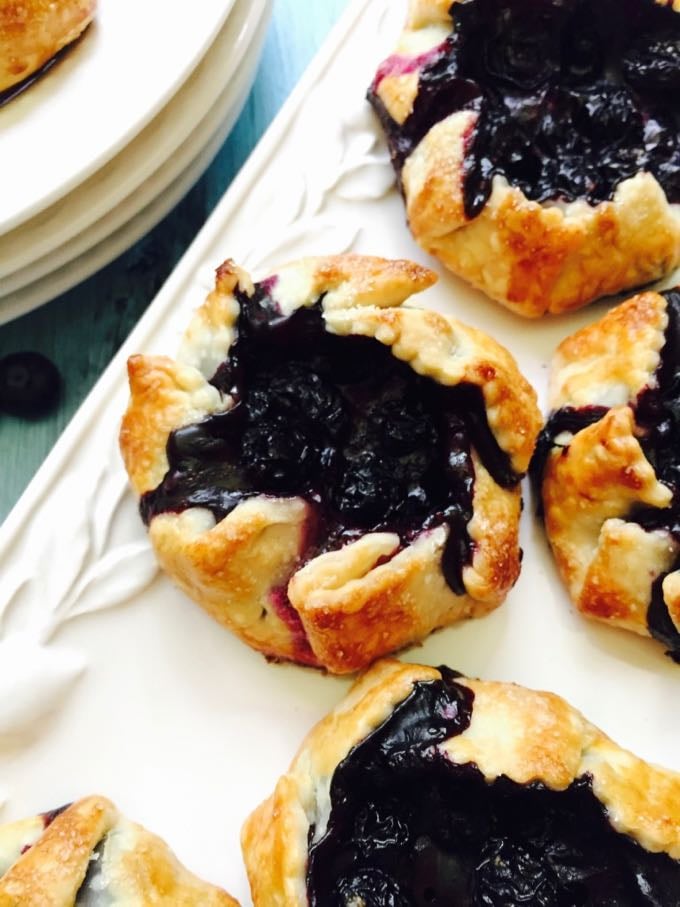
x=426 y=788
x=608 y=462
x=32 y=32
x=537 y=144
x=88 y=855
x=329 y=473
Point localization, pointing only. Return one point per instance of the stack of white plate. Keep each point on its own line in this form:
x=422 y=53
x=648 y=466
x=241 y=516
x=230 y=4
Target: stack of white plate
x=100 y=148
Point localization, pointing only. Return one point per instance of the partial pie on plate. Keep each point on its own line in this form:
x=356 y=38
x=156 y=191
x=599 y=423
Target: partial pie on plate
x=330 y=474
x=608 y=466
x=88 y=855
x=32 y=32
x=537 y=144
x=427 y=789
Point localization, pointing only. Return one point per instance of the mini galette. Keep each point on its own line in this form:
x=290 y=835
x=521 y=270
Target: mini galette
x=32 y=32
x=537 y=143
x=330 y=474
x=88 y=855
x=427 y=789
x=608 y=467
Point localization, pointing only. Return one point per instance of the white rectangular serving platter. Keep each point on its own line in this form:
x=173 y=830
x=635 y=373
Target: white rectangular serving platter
x=111 y=681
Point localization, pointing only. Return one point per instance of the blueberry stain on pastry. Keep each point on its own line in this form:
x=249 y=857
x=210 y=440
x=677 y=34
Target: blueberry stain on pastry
x=572 y=97
x=370 y=444
x=656 y=409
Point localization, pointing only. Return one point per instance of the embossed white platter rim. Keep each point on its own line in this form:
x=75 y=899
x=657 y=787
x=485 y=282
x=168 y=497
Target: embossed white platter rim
x=129 y=179
x=138 y=213
x=111 y=681
x=128 y=64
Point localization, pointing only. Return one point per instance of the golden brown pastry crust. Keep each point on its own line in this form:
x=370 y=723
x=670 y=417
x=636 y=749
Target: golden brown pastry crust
x=535 y=258
x=353 y=606
x=33 y=31
x=594 y=477
x=523 y=734
x=44 y=864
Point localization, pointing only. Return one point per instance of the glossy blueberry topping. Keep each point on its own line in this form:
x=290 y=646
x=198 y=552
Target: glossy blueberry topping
x=408 y=828
x=573 y=97
x=657 y=409
x=659 y=620
x=657 y=415
x=30 y=384
x=340 y=421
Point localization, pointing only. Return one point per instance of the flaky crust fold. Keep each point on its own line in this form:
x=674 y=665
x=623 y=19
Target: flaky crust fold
x=343 y=608
x=33 y=31
x=535 y=258
x=594 y=478
x=522 y=734
x=44 y=862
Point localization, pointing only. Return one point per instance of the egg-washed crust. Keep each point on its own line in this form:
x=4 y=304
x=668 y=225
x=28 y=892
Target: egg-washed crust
x=593 y=478
x=535 y=258
x=522 y=734
x=44 y=863
x=33 y=31
x=363 y=600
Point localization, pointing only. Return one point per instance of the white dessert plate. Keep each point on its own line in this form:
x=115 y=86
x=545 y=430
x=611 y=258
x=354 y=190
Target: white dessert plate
x=111 y=680
x=138 y=213
x=128 y=64
x=32 y=249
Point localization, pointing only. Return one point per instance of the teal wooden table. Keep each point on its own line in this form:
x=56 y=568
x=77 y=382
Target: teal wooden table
x=81 y=330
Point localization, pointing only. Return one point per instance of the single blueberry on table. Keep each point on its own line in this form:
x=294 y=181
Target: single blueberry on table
x=30 y=384
x=367 y=442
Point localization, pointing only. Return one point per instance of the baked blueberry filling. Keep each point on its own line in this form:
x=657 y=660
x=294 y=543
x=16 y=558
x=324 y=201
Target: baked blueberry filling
x=572 y=96
x=341 y=422
x=657 y=414
x=408 y=828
